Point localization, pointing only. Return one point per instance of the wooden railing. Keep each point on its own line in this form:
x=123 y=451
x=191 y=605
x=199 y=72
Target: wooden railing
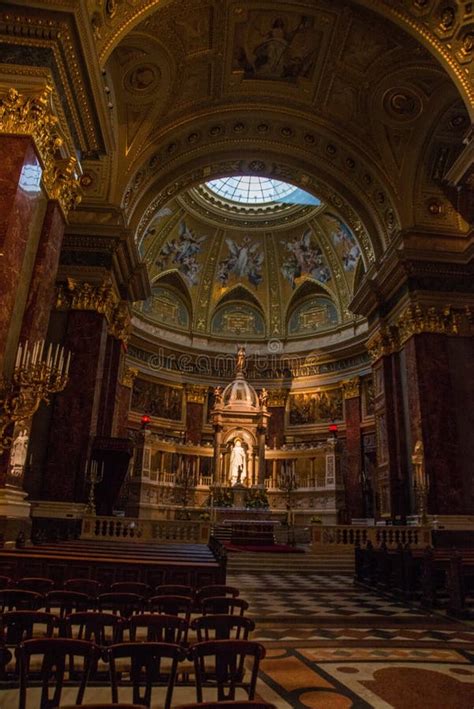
x=129 y=529
x=347 y=535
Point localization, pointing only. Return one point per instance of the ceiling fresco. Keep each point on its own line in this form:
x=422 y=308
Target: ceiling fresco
x=290 y=280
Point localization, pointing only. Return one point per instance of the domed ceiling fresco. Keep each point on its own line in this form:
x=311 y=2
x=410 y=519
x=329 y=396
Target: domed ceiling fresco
x=248 y=258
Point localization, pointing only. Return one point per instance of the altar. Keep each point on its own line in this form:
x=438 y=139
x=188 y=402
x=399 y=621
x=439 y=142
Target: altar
x=252 y=532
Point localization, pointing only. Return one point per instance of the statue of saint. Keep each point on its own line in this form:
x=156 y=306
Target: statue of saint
x=240 y=366
x=218 y=395
x=263 y=397
x=238 y=463
x=18 y=453
x=418 y=460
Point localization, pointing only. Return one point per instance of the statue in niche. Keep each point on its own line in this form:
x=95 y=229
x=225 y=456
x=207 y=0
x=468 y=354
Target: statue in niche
x=240 y=366
x=218 y=395
x=238 y=463
x=18 y=453
x=263 y=397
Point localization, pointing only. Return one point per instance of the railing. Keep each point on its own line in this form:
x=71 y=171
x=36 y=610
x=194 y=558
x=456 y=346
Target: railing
x=341 y=535
x=130 y=529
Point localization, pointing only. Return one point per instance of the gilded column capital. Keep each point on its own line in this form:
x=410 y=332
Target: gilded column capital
x=277 y=397
x=31 y=116
x=351 y=388
x=196 y=394
x=78 y=295
x=383 y=342
x=415 y=320
x=129 y=374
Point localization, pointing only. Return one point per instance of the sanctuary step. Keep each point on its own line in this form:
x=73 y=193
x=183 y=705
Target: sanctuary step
x=334 y=562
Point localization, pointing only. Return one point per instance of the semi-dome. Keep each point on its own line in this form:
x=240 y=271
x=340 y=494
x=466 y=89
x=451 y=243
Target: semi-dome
x=239 y=394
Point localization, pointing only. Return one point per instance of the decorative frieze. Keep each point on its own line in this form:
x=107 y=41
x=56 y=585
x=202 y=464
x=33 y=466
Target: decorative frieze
x=128 y=376
x=31 y=116
x=101 y=298
x=416 y=319
x=277 y=397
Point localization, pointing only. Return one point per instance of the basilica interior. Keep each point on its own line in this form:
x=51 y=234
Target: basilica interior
x=237 y=341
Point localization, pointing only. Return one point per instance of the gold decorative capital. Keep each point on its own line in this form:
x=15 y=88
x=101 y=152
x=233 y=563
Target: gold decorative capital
x=31 y=116
x=129 y=374
x=196 y=394
x=277 y=397
x=77 y=295
x=351 y=388
x=383 y=342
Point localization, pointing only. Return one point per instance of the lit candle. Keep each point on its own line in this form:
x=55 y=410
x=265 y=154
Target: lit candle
x=41 y=350
x=48 y=356
x=18 y=357
x=68 y=362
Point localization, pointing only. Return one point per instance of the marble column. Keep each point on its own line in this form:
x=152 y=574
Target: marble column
x=353 y=478
x=75 y=417
x=217 y=473
x=440 y=395
x=22 y=209
x=261 y=456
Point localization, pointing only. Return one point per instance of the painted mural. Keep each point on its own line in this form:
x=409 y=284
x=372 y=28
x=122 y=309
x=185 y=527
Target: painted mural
x=155 y=399
x=167 y=307
x=313 y=314
x=315 y=407
x=238 y=319
x=344 y=242
x=244 y=260
x=305 y=258
x=154 y=227
x=279 y=47
x=182 y=253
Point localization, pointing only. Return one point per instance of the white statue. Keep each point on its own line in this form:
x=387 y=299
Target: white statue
x=18 y=453
x=238 y=463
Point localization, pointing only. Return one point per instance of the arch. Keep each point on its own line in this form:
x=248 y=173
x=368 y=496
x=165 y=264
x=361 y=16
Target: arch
x=239 y=292
x=170 y=303
x=313 y=302
x=175 y=281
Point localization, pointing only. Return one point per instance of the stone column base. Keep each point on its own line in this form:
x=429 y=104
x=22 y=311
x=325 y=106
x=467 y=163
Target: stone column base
x=14 y=515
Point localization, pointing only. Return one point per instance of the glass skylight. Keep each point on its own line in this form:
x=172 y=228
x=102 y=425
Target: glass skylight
x=250 y=189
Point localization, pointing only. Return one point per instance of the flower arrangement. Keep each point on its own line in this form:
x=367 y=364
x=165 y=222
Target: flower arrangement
x=257 y=500
x=223 y=498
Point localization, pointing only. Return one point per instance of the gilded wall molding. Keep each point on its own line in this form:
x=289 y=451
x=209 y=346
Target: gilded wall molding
x=277 y=397
x=416 y=319
x=196 y=394
x=129 y=375
x=31 y=116
x=351 y=388
x=100 y=298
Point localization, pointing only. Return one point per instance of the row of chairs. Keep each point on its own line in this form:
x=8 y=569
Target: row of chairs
x=106 y=628
x=224 y=665
x=94 y=588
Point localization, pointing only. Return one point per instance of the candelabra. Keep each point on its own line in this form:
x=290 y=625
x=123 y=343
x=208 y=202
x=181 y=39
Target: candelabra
x=287 y=482
x=35 y=377
x=93 y=477
x=184 y=481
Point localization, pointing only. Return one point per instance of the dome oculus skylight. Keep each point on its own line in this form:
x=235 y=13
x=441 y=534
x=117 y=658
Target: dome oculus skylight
x=251 y=189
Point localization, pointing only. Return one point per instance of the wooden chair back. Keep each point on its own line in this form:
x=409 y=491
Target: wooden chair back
x=224 y=664
x=222 y=627
x=174 y=590
x=54 y=653
x=230 y=705
x=67 y=602
x=159 y=628
x=181 y=606
x=36 y=584
x=16 y=599
x=101 y=628
x=18 y=626
x=218 y=589
x=146 y=669
x=123 y=604
x=218 y=605
x=142 y=589
x=89 y=586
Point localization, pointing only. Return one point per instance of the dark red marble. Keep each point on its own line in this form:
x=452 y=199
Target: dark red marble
x=438 y=368
x=122 y=408
x=353 y=479
x=20 y=198
x=194 y=421
x=75 y=418
x=276 y=427
x=110 y=382
x=41 y=293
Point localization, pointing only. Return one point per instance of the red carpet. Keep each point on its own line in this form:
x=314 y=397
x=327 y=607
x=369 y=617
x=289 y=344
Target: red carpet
x=272 y=548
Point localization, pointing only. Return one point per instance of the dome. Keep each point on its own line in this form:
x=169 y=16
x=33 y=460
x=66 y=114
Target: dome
x=250 y=259
x=239 y=394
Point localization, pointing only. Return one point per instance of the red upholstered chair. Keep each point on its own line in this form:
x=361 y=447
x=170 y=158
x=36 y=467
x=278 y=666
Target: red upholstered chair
x=222 y=627
x=223 y=664
x=142 y=589
x=159 y=628
x=89 y=586
x=224 y=605
x=231 y=705
x=36 y=584
x=218 y=589
x=16 y=599
x=56 y=655
x=151 y=664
